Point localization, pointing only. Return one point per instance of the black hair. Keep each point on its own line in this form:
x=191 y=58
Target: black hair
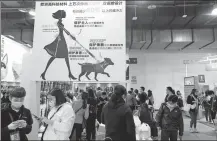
x=98 y=88
x=173 y=98
x=59 y=95
x=103 y=93
x=130 y=92
x=81 y=91
x=91 y=93
x=149 y=93
x=177 y=92
x=211 y=92
x=193 y=91
x=143 y=88
x=59 y=14
x=70 y=96
x=143 y=97
x=84 y=97
x=131 y=89
x=119 y=91
x=136 y=91
x=18 y=92
x=171 y=90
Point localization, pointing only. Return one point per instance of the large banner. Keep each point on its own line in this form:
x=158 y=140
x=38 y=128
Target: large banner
x=80 y=41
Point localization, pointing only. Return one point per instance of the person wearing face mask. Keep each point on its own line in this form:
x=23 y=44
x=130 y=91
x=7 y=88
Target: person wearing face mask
x=16 y=120
x=169 y=119
x=61 y=117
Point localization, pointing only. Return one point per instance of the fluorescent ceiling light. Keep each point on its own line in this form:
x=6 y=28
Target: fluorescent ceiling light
x=214 y=11
x=23 y=10
x=134 y=18
x=152 y=7
x=32 y=12
x=184 y=16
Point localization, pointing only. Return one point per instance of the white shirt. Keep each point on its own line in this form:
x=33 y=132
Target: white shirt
x=63 y=123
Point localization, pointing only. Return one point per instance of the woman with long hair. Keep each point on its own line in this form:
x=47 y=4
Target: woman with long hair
x=118 y=117
x=60 y=119
x=193 y=100
x=91 y=121
x=82 y=112
x=58 y=48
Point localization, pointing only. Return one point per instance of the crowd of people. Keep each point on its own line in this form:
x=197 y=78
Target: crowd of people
x=69 y=115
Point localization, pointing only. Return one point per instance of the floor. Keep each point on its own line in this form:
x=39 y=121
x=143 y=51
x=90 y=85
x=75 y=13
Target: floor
x=205 y=132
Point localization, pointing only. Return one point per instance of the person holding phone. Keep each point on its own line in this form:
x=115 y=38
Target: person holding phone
x=61 y=117
x=16 y=120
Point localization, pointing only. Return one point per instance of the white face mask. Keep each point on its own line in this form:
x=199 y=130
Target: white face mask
x=17 y=105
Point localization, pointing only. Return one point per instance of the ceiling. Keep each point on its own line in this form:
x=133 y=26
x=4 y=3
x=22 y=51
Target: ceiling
x=166 y=16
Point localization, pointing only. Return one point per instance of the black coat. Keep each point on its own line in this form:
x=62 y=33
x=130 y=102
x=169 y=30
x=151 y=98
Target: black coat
x=170 y=120
x=119 y=122
x=24 y=114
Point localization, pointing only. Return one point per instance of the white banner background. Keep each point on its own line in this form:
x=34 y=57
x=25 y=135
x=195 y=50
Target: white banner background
x=12 y=58
x=113 y=30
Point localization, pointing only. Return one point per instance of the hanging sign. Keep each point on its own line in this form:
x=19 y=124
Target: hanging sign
x=80 y=41
x=133 y=80
x=201 y=78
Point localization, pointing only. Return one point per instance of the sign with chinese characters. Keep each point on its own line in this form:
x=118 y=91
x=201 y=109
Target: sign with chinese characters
x=201 y=78
x=133 y=80
x=80 y=41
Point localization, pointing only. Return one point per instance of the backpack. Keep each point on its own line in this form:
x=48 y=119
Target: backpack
x=144 y=114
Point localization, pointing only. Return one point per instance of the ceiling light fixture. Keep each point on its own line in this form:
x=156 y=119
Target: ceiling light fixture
x=184 y=15
x=152 y=7
x=135 y=17
x=214 y=11
x=23 y=10
x=32 y=12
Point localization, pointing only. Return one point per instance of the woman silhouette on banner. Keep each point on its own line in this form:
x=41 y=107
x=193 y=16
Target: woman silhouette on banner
x=58 y=48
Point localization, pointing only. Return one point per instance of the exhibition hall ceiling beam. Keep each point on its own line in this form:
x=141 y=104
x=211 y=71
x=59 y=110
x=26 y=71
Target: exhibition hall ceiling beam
x=171 y=33
x=213 y=34
x=192 y=37
x=151 y=40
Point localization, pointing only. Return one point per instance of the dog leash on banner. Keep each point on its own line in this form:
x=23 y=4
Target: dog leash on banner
x=68 y=33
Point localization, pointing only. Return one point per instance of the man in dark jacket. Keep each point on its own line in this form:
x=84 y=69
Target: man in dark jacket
x=16 y=120
x=118 y=117
x=213 y=104
x=169 y=119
